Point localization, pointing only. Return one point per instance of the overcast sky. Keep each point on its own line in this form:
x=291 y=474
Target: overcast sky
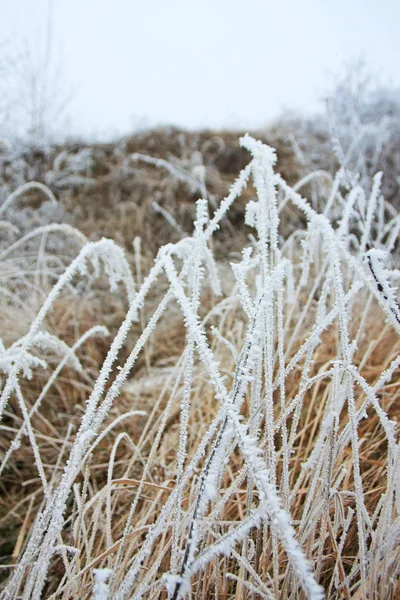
x=199 y=63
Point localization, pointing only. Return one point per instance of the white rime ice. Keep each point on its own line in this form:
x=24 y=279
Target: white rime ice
x=101 y=588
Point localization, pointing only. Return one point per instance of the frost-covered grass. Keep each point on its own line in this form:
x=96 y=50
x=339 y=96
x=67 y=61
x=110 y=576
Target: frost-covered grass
x=240 y=437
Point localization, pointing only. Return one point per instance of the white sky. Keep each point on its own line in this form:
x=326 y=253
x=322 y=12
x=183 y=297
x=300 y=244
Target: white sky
x=199 y=63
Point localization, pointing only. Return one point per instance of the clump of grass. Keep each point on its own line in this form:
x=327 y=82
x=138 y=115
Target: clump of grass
x=240 y=437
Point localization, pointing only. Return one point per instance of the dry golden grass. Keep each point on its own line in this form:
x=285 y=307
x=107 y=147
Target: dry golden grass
x=136 y=460
x=150 y=391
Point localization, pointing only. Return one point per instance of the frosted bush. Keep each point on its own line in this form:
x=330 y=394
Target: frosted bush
x=71 y=170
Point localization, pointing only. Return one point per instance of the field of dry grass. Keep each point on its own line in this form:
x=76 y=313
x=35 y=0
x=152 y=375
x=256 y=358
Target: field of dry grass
x=242 y=442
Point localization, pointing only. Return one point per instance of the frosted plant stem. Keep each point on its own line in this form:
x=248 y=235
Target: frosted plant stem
x=91 y=249
x=96 y=330
x=256 y=468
